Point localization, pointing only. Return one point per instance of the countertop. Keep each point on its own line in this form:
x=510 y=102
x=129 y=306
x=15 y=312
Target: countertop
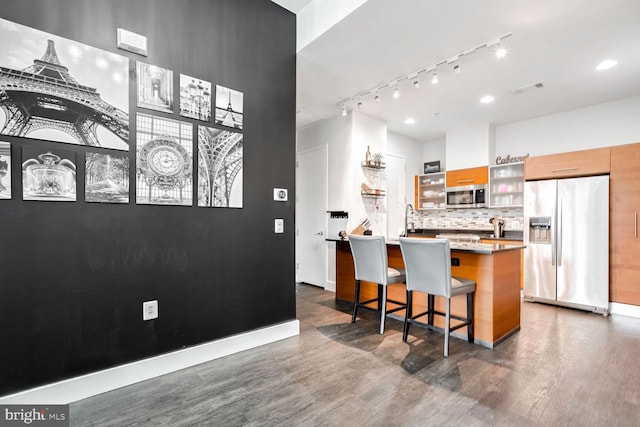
x=484 y=234
x=477 y=248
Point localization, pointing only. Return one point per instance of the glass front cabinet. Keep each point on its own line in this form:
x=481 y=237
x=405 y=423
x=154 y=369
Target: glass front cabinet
x=430 y=191
x=506 y=185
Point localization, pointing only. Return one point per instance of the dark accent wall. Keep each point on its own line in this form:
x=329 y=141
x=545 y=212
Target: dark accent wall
x=73 y=276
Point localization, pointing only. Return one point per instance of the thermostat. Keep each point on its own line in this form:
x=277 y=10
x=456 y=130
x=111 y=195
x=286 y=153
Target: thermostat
x=280 y=194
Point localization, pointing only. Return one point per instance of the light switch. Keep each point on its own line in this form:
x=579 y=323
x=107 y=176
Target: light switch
x=279 y=225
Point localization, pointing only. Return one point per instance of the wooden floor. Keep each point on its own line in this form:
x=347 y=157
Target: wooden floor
x=564 y=368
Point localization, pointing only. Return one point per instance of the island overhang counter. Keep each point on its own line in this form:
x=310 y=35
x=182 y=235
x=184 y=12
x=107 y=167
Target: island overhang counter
x=494 y=267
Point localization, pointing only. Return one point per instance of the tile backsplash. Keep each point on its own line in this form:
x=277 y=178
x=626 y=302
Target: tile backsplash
x=471 y=219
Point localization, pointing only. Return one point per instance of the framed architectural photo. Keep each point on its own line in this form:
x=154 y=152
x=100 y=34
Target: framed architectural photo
x=220 y=164
x=60 y=90
x=106 y=178
x=195 y=98
x=48 y=174
x=5 y=170
x=164 y=174
x=155 y=87
x=229 y=107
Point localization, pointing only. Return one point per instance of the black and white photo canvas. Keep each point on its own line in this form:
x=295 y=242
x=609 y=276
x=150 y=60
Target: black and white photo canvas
x=164 y=172
x=195 y=98
x=155 y=87
x=220 y=164
x=229 y=107
x=48 y=174
x=60 y=90
x=106 y=178
x=5 y=170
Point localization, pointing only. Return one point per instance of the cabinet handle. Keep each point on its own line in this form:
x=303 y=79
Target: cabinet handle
x=460 y=181
x=635 y=224
x=563 y=170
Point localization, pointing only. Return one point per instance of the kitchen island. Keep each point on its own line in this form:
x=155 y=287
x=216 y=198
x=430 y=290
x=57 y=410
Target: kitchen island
x=495 y=268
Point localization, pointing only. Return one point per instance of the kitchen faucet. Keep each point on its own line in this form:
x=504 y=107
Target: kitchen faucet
x=406 y=220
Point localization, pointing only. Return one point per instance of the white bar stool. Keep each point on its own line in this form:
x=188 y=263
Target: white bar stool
x=428 y=269
x=371 y=264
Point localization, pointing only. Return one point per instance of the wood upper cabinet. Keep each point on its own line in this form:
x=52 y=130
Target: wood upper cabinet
x=625 y=168
x=575 y=163
x=624 y=266
x=471 y=176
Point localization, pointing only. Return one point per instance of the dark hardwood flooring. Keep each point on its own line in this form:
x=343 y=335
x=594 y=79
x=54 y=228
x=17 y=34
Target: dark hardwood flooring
x=564 y=368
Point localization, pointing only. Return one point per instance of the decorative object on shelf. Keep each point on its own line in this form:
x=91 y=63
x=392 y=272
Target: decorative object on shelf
x=5 y=170
x=229 y=107
x=65 y=95
x=220 y=168
x=376 y=158
x=155 y=87
x=164 y=161
x=195 y=98
x=431 y=167
x=106 y=178
x=367 y=157
x=48 y=175
x=368 y=191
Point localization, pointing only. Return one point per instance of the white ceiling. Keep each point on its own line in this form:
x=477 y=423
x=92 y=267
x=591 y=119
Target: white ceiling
x=557 y=42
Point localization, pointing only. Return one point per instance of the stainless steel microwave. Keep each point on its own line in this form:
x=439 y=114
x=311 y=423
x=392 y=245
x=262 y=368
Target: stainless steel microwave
x=467 y=196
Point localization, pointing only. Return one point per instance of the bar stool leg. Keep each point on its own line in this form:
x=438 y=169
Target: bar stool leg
x=470 y=314
x=446 y=328
x=383 y=309
x=430 y=309
x=356 y=300
x=407 y=316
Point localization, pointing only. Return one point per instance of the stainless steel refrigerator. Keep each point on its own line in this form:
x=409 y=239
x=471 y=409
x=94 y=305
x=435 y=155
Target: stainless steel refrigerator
x=566 y=261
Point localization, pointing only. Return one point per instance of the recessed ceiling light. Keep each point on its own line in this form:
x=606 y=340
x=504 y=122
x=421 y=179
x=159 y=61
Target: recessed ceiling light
x=606 y=64
x=487 y=99
x=409 y=121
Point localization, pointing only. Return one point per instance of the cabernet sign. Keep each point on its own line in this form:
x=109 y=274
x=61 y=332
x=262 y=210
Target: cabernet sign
x=509 y=159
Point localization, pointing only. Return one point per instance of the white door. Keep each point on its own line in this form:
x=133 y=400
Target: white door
x=311 y=214
x=396 y=194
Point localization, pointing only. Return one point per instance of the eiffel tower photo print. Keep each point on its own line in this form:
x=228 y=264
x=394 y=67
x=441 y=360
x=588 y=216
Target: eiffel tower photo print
x=60 y=90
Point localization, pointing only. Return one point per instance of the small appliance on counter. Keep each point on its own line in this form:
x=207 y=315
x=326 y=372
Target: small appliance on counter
x=498 y=226
x=337 y=224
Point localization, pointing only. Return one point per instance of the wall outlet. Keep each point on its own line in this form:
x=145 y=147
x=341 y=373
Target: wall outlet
x=280 y=194
x=279 y=225
x=150 y=310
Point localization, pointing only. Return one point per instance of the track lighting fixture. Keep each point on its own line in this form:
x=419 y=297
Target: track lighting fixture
x=501 y=51
x=496 y=44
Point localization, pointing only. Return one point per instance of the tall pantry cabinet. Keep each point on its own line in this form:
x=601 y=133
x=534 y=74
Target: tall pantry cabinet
x=625 y=229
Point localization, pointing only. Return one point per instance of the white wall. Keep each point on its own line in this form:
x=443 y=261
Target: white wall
x=601 y=125
x=468 y=148
x=411 y=150
x=435 y=150
x=367 y=132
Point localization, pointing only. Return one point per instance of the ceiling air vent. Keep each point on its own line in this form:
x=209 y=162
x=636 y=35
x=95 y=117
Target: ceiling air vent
x=527 y=88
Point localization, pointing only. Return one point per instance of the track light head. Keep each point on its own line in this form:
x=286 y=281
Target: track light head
x=416 y=83
x=434 y=78
x=500 y=51
x=344 y=109
x=359 y=105
x=396 y=93
x=457 y=69
x=377 y=98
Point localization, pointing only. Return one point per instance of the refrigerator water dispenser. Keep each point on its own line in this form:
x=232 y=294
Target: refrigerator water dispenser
x=540 y=230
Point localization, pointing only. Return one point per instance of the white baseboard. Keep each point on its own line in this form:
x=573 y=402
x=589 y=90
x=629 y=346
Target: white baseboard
x=330 y=286
x=625 y=309
x=78 y=388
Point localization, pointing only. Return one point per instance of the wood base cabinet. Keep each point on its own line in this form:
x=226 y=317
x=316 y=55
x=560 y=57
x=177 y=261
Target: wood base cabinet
x=625 y=233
